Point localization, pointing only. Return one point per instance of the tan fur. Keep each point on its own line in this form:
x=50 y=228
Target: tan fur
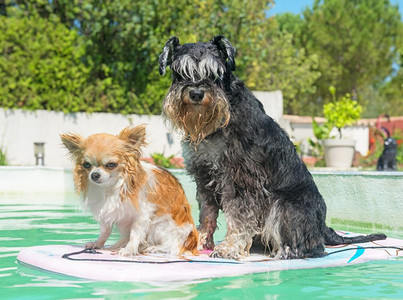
x=197 y=121
x=80 y=179
x=133 y=184
x=171 y=199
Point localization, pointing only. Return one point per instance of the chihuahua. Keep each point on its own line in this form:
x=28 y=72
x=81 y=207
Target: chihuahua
x=146 y=203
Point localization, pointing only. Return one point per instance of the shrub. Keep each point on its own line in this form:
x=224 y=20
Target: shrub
x=41 y=67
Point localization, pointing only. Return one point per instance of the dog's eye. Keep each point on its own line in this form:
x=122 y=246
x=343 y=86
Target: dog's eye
x=111 y=165
x=87 y=165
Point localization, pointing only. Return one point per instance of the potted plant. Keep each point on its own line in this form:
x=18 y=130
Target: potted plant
x=338 y=151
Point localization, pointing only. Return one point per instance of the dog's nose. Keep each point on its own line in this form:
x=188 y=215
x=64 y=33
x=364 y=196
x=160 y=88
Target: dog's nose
x=196 y=95
x=95 y=176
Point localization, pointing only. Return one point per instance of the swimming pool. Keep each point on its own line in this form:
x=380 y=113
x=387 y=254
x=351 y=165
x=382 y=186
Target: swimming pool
x=41 y=214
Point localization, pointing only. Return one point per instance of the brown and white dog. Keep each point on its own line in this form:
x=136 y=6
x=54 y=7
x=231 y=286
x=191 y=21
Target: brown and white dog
x=145 y=202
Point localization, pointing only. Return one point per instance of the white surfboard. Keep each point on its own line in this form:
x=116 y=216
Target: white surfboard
x=106 y=266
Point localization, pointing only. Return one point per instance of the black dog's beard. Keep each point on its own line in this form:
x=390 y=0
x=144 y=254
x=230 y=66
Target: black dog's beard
x=196 y=120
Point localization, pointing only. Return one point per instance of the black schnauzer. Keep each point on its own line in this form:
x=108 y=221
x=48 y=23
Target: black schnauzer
x=387 y=160
x=241 y=160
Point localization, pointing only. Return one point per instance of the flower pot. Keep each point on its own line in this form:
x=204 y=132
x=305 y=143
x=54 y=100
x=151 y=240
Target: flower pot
x=310 y=161
x=339 y=153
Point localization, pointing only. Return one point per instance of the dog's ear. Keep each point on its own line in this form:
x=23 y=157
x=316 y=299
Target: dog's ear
x=73 y=142
x=135 y=137
x=166 y=56
x=225 y=47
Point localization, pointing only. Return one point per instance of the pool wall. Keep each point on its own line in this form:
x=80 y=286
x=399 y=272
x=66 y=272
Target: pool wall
x=372 y=199
x=365 y=199
x=19 y=184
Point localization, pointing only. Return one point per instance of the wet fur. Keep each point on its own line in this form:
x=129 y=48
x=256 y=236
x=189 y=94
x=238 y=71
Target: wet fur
x=243 y=162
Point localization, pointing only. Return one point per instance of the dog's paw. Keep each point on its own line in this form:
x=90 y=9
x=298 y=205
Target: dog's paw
x=288 y=253
x=206 y=241
x=223 y=251
x=93 y=245
x=127 y=251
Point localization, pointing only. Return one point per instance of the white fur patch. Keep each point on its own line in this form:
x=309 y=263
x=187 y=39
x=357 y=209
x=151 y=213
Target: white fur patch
x=105 y=204
x=271 y=229
x=166 y=236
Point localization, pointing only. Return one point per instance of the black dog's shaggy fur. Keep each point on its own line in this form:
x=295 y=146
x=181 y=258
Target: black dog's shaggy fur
x=387 y=160
x=241 y=160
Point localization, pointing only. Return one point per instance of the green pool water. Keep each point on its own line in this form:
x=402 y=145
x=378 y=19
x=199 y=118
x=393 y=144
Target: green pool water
x=39 y=219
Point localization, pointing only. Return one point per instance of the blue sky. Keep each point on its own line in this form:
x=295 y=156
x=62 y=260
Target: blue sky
x=297 y=6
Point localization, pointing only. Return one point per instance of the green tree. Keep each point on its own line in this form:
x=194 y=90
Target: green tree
x=123 y=39
x=280 y=66
x=290 y=23
x=114 y=48
x=41 y=67
x=355 y=40
x=127 y=37
x=392 y=96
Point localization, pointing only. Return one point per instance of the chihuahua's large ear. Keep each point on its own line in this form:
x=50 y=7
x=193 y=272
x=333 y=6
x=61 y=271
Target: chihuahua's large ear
x=73 y=142
x=166 y=56
x=227 y=49
x=135 y=137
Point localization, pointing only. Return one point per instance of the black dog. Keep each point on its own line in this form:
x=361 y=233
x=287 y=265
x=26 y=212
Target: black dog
x=387 y=160
x=241 y=160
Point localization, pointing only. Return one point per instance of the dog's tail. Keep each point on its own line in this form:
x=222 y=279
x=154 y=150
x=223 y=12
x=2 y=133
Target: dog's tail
x=332 y=238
